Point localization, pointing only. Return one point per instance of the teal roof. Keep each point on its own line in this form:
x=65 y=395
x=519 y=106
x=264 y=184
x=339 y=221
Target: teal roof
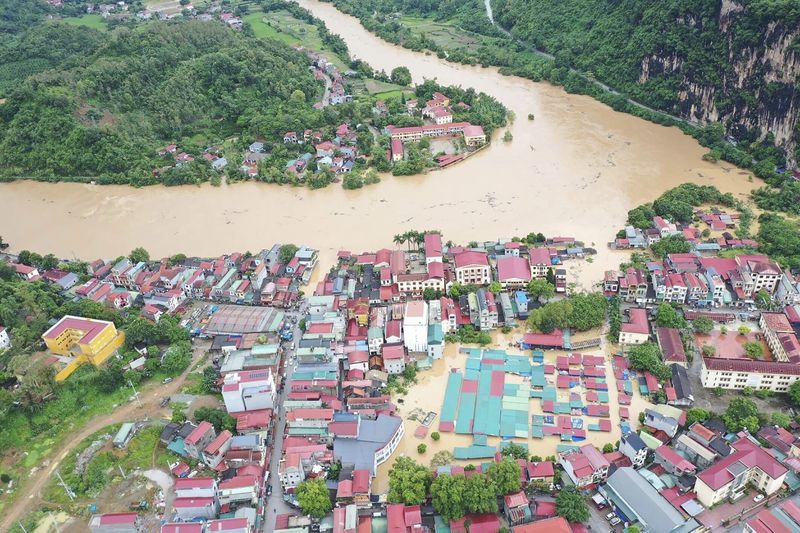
x=435 y=334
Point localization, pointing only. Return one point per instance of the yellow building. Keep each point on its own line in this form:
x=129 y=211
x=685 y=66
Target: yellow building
x=85 y=339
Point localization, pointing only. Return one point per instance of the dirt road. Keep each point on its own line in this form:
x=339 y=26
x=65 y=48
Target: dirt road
x=30 y=494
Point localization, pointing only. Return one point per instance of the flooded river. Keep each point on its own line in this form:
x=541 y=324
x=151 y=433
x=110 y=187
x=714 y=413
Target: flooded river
x=575 y=170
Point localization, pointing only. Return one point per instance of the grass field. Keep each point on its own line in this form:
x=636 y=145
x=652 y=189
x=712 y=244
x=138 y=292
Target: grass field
x=442 y=33
x=90 y=21
x=282 y=26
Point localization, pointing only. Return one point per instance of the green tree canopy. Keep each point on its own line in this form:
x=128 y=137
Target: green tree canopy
x=742 y=413
x=647 y=357
x=541 y=289
x=571 y=505
x=408 y=482
x=703 y=324
x=505 y=475
x=312 y=495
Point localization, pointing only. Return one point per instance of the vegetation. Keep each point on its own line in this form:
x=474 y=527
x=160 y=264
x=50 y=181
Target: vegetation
x=455 y=496
x=312 y=495
x=408 y=482
x=505 y=476
x=668 y=317
x=571 y=505
x=696 y=414
x=514 y=451
x=647 y=358
x=703 y=324
x=422 y=448
x=672 y=244
x=780 y=239
x=742 y=413
x=469 y=335
x=753 y=350
x=541 y=289
x=581 y=311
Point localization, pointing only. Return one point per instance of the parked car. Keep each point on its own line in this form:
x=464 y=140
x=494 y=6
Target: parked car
x=758 y=498
x=611 y=515
x=616 y=520
x=166 y=380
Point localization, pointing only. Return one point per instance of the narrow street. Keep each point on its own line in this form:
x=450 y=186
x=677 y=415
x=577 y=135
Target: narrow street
x=275 y=503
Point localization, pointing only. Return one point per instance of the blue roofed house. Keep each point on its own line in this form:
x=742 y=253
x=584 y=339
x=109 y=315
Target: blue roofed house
x=375 y=442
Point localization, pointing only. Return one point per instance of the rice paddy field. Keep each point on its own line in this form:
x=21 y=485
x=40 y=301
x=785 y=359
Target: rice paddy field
x=443 y=34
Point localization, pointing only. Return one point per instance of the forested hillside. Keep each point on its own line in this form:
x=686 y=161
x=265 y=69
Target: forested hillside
x=110 y=101
x=737 y=62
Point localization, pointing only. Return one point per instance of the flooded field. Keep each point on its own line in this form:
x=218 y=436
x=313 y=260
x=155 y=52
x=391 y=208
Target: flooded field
x=575 y=170
x=428 y=395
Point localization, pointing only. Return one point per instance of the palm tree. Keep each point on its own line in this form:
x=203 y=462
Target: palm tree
x=399 y=239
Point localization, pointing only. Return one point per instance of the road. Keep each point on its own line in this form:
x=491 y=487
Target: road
x=275 y=503
x=30 y=493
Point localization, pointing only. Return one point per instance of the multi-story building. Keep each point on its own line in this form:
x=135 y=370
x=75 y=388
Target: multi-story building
x=375 y=443
x=199 y=438
x=740 y=373
x=472 y=268
x=513 y=272
x=748 y=465
x=394 y=358
x=670 y=287
x=633 y=286
x=415 y=326
x=634 y=448
x=780 y=337
x=585 y=466
x=249 y=390
x=541 y=262
x=637 y=329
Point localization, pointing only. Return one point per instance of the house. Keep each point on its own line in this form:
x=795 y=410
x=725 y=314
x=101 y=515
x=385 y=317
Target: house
x=517 y=508
x=474 y=135
x=195 y=508
x=249 y=390
x=513 y=272
x=472 y=268
x=433 y=248
x=636 y=500
x=662 y=422
x=585 y=466
x=397 y=150
x=784 y=517
x=394 y=358
x=634 y=448
x=290 y=137
x=215 y=451
x=240 y=490
x=256 y=147
x=681 y=387
x=5 y=340
x=699 y=455
x=637 y=329
x=541 y=472
x=748 y=464
x=116 y=523
x=435 y=341
x=541 y=261
x=198 y=487
x=556 y=524
x=229 y=525
x=199 y=438
x=182 y=527
x=672 y=462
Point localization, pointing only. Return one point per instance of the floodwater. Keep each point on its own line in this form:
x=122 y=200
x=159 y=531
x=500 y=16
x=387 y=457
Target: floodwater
x=574 y=170
x=428 y=394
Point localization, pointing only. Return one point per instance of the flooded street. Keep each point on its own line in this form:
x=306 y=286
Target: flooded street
x=575 y=170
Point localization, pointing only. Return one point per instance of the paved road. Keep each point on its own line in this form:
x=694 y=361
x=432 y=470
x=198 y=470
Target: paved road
x=30 y=494
x=275 y=503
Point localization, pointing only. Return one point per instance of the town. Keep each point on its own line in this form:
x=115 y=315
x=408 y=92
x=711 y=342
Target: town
x=343 y=384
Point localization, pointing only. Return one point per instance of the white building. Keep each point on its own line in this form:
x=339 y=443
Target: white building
x=415 y=326
x=249 y=390
x=740 y=373
x=472 y=268
x=394 y=358
x=5 y=340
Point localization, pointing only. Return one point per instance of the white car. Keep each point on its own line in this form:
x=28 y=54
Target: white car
x=758 y=498
x=616 y=520
x=611 y=515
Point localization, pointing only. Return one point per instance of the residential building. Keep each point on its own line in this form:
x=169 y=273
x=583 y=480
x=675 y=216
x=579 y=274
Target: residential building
x=394 y=358
x=540 y=260
x=215 y=451
x=249 y=390
x=633 y=286
x=472 y=268
x=783 y=517
x=634 y=448
x=740 y=373
x=695 y=452
x=671 y=345
x=637 y=329
x=636 y=500
x=195 y=508
x=199 y=438
x=435 y=341
x=415 y=326
x=198 y=487
x=116 y=523
x=748 y=465
x=240 y=490
x=517 y=508
x=672 y=462
x=76 y=336
x=556 y=524
x=585 y=466
x=660 y=421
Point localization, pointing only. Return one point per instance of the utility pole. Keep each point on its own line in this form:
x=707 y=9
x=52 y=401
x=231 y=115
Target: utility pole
x=22 y=527
x=65 y=486
x=121 y=471
x=135 y=394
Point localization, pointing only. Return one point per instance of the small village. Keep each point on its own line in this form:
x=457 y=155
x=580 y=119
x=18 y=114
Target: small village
x=325 y=374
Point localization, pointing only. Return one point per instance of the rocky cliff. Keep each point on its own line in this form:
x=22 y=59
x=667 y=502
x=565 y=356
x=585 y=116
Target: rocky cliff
x=736 y=62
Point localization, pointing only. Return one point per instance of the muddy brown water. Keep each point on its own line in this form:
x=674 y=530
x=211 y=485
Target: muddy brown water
x=574 y=170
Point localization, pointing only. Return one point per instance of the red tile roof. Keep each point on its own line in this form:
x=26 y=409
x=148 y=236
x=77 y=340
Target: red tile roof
x=198 y=432
x=746 y=365
x=748 y=454
x=671 y=345
x=471 y=258
x=513 y=268
x=638 y=322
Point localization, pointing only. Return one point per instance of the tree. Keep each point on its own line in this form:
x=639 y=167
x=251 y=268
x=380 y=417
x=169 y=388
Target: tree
x=495 y=287
x=508 y=136
x=312 y=495
x=608 y=447
x=781 y=419
x=139 y=255
x=541 y=289
x=647 y=358
x=696 y=414
x=743 y=330
x=431 y=294
x=703 y=325
x=515 y=451
x=218 y=418
x=435 y=436
x=480 y=494
x=673 y=244
x=708 y=350
x=210 y=380
x=177 y=358
x=441 y=458
x=401 y=76
x=551 y=275
x=794 y=393
x=753 y=350
x=571 y=505
x=408 y=482
x=422 y=448
x=742 y=413
x=447 y=496
x=505 y=476
x=588 y=311
x=287 y=252
x=668 y=317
